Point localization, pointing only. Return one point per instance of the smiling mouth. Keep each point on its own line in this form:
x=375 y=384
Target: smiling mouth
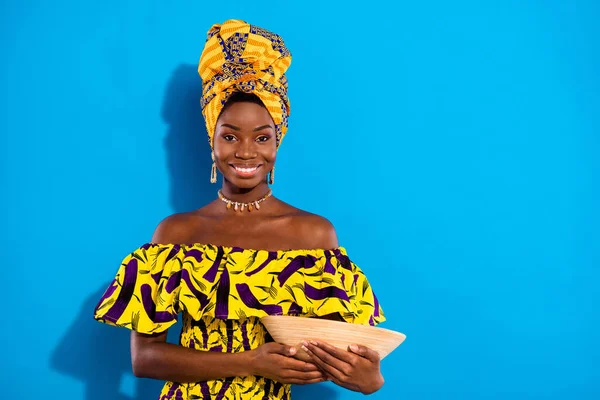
x=245 y=170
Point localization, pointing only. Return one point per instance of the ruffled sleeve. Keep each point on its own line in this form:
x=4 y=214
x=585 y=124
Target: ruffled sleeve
x=157 y=281
x=144 y=295
x=343 y=288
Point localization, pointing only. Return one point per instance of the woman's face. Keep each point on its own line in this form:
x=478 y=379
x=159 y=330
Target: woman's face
x=245 y=144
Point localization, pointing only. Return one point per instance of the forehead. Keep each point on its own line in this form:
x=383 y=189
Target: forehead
x=245 y=114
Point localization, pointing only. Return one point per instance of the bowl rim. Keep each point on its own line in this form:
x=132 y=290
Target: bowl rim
x=329 y=321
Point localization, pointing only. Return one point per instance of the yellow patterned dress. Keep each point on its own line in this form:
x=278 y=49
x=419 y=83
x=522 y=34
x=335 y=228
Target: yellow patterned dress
x=222 y=292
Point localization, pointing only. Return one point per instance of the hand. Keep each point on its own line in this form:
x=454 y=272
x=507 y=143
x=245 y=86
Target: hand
x=356 y=369
x=276 y=361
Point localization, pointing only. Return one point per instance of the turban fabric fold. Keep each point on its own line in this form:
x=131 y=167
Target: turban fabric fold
x=239 y=57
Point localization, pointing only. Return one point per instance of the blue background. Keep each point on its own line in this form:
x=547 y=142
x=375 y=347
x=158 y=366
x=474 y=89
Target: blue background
x=453 y=144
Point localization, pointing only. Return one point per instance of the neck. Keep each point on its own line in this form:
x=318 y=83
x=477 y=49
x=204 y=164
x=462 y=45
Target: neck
x=244 y=195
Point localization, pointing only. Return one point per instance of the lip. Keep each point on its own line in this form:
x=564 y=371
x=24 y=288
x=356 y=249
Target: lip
x=245 y=170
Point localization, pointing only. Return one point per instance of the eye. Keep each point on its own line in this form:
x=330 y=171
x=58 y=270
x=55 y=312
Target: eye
x=262 y=139
x=228 y=138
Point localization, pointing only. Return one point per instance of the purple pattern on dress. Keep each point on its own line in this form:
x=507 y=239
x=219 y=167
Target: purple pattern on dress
x=109 y=292
x=329 y=268
x=270 y=257
x=202 y=298
x=376 y=311
x=229 y=328
x=222 y=307
x=299 y=262
x=205 y=390
x=224 y=388
x=236 y=250
x=156 y=277
x=343 y=260
x=276 y=388
x=250 y=301
x=179 y=395
x=268 y=384
x=371 y=321
x=203 y=330
x=173 y=252
x=150 y=307
x=171 y=392
x=194 y=253
x=146 y=246
x=117 y=309
x=325 y=292
x=216 y=349
x=211 y=274
x=173 y=282
x=245 y=339
x=294 y=309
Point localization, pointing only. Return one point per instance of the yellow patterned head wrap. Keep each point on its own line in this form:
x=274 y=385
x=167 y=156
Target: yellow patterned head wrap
x=239 y=57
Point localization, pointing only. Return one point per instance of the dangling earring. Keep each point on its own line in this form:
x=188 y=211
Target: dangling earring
x=213 y=170
x=272 y=176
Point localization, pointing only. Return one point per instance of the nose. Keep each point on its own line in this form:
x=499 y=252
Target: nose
x=246 y=150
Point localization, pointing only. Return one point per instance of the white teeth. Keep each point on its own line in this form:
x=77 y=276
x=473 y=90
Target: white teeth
x=246 y=170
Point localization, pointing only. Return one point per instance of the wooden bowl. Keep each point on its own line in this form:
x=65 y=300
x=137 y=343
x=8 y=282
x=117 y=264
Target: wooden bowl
x=292 y=331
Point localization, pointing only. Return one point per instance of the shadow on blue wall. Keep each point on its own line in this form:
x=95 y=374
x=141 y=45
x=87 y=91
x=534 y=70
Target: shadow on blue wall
x=99 y=355
x=186 y=144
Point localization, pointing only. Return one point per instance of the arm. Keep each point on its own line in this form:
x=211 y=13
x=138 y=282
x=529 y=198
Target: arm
x=153 y=357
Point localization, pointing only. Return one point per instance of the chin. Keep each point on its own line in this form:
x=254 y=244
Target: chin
x=246 y=183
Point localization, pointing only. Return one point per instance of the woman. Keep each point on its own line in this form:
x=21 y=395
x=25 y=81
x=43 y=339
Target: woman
x=227 y=264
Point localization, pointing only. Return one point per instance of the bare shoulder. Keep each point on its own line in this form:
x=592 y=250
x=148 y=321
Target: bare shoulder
x=175 y=229
x=320 y=230
x=314 y=231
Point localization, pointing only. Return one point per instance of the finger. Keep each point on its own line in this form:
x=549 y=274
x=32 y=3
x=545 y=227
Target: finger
x=365 y=352
x=291 y=376
x=319 y=360
x=305 y=381
x=334 y=351
x=322 y=356
x=315 y=365
x=297 y=365
x=307 y=376
x=320 y=368
x=282 y=349
x=347 y=385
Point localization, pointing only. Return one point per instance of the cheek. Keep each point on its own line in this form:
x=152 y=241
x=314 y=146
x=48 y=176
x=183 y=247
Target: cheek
x=270 y=154
x=218 y=155
x=221 y=150
x=221 y=160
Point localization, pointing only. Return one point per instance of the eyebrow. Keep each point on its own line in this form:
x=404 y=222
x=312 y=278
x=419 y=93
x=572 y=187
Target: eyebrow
x=237 y=128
